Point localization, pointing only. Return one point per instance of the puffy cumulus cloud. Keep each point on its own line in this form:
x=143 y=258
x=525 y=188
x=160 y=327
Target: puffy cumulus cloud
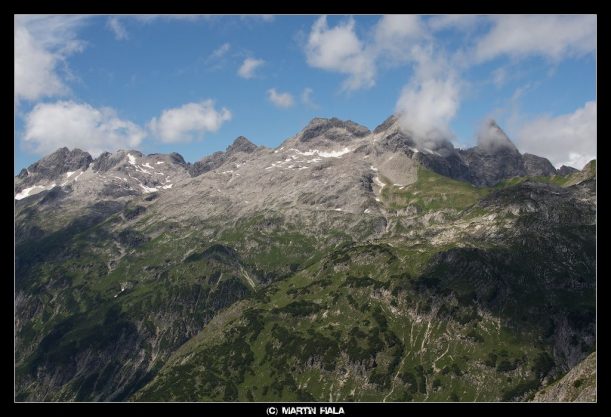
x=394 y=36
x=282 y=100
x=42 y=43
x=553 y=36
x=188 y=122
x=430 y=100
x=426 y=107
x=568 y=139
x=339 y=49
x=65 y=123
x=249 y=66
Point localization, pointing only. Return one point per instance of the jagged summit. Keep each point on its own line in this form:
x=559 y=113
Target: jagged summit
x=211 y=162
x=492 y=139
x=387 y=124
x=332 y=129
x=566 y=170
x=241 y=144
x=51 y=166
x=494 y=159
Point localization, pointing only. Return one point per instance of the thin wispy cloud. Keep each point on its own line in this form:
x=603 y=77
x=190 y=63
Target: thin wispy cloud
x=307 y=99
x=117 y=28
x=221 y=51
x=552 y=36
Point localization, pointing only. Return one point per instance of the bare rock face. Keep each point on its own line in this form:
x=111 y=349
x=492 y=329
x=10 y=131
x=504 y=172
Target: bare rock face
x=53 y=166
x=537 y=166
x=332 y=129
x=214 y=161
x=579 y=385
x=566 y=170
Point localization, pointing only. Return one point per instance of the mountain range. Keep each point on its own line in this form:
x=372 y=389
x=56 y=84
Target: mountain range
x=343 y=265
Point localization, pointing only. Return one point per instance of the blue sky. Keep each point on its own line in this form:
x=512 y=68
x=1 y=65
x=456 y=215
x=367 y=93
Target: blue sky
x=192 y=84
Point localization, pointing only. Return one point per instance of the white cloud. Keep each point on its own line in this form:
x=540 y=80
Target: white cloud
x=306 y=98
x=42 y=44
x=553 y=36
x=115 y=25
x=221 y=51
x=569 y=139
x=430 y=100
x=249 y=66
x=188 y=122
x=65 y=123
x=339 y=49
x=283 y=100
x=454 y=21
x=394 y=36
x=426 y=107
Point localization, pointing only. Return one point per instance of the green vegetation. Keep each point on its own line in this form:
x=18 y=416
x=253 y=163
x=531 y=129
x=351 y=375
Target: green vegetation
x=432 y=192
x=261 y=310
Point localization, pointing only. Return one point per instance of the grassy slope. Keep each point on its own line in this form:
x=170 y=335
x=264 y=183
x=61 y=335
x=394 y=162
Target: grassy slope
x=316 y=332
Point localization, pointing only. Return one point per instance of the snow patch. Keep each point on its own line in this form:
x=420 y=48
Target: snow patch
x=331 y=154
x=159 y=162
x=367 y=211
x=148 y=165
x=338 y=209
x=69 y=173
x=26 y=192
x=165 y=187
x=148 y=189
x=378 y=182
x=76 y=178
x=139 y=168
x=374 y=169
x=132 y=159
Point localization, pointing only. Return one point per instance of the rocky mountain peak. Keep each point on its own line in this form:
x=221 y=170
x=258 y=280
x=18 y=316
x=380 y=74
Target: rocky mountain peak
x=59 y=162
x=387 y=124
x=566 y=170
x=241 y=144
x=491 y=139
x=332 y=129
